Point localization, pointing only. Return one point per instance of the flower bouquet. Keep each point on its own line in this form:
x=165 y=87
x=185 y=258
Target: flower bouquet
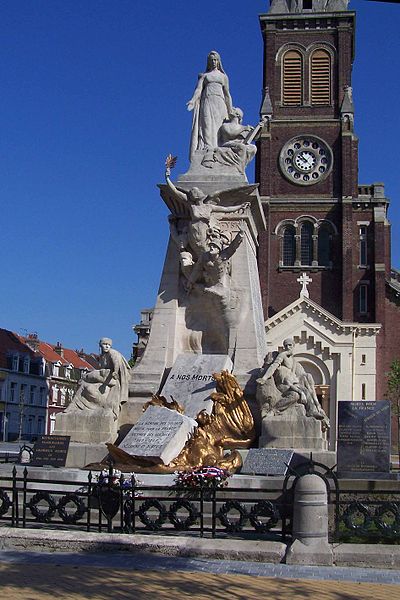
x=207 y=479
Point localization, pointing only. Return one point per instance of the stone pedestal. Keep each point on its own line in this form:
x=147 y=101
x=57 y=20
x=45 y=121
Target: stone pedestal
x=292 y=429
x=88 y=427
x=182 y=321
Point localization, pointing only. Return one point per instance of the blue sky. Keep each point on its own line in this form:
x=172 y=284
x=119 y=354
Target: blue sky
x=93 y=96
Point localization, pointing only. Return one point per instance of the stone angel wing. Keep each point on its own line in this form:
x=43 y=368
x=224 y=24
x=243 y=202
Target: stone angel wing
x=232 y=196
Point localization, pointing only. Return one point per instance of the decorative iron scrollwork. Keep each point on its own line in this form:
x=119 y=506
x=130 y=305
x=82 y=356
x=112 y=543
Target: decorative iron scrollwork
x=236 y=524
x=264 y=508
x=41 y=515
x=183 y=524
x=391 y=510
x=153 y=524
x=79 y=512
x=352 y=512
x=5 y=503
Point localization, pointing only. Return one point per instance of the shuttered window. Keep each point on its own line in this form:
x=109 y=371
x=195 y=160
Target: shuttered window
x=292 y=76
x=320 y=77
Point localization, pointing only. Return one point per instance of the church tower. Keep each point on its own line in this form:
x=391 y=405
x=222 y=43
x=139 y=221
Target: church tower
x=319 y=219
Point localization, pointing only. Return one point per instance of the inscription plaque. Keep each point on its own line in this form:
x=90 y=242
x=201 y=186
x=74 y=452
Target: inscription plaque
x=50 y=450
x=267 y=461
x=159 y=435
x=364 y=436
x=190 y=381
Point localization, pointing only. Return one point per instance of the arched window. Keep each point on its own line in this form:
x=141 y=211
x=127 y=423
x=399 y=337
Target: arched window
x=289 y=246
x=324 y=246
x=320 y=77
x=292 y=78
x=306 y=234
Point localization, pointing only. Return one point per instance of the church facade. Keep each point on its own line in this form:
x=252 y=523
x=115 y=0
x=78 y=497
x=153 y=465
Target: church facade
x=324 y=260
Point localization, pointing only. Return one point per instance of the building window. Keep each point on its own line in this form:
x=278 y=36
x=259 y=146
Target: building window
x=56 y=370
x=40 y=425
x=320 y=74
x=32 y=394
x=306 y=235
x=27 y=364
x=309 y=244
x=13 y=392
x=22 y=393
x=15 y=362
x=324 y=246
x=363 y=359
x=42 y=397
x=292 y=78
x=363 y=391
x=363 y=299
x=363 y=245
x=52 y=422
x=289 y=246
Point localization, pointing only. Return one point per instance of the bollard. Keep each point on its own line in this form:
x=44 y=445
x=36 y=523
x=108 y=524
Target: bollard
x=310 y=523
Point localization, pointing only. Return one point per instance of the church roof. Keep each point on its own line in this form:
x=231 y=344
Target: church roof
x=305 y=303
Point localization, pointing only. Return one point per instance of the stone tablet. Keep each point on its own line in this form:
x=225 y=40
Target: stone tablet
x=50 y=450
x=364 y=436
x=266 y=461
x=190 y=381
x=159 y=435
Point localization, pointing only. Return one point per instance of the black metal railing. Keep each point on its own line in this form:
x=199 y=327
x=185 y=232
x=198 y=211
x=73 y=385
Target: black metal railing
x=122 y=505
x=367 y=516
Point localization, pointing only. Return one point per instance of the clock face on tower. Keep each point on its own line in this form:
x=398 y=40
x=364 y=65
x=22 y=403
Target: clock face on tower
x=305 y=159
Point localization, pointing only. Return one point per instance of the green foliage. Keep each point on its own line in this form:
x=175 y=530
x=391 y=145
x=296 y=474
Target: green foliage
x=393 y=384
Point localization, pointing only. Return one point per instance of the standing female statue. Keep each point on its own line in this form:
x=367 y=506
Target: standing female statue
x=211 y=104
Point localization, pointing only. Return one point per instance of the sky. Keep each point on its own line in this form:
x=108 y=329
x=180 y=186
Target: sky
x=93 y=97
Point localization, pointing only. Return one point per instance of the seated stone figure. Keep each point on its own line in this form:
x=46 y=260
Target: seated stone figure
x=92 y=416
x=233 y=151
x=284 y=383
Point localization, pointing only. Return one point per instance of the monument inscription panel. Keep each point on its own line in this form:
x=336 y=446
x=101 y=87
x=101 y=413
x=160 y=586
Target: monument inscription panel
x=364 y=436
x=159 y=435
x=50 y=450
x=267 y=461
x=190 y=381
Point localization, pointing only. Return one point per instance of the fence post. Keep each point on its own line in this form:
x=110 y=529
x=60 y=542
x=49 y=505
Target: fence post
x=310 y=544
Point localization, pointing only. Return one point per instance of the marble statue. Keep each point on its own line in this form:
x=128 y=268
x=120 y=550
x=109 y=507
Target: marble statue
x=233 y=149
x=105 y=388
x=284 y=383
x=213 y=265
x=203 y=209
x=211 y=104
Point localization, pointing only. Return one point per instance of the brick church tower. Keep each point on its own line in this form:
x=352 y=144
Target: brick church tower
x=320 y=221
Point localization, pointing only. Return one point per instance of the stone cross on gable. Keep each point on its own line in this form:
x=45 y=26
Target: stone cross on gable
x=304 y=279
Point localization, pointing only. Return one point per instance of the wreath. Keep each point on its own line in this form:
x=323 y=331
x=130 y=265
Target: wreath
x=152 y=524
x=387 y=507
x=79 y=512
x=5 y=503
x=237 y=524
x=183 y=524
x=40 y=515
x=264 y=508
x=350 y=514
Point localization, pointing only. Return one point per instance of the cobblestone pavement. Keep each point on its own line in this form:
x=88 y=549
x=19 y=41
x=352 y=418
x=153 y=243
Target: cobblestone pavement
x=34 y=576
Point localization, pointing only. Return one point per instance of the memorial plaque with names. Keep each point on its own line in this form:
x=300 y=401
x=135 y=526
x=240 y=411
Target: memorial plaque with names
x=267 y=461
x=159 y=435
x=190 y=381
x=364 y=436
x=50 y=450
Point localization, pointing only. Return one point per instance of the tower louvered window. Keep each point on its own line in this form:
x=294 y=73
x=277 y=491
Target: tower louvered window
x=320 y=77
x=292 y=76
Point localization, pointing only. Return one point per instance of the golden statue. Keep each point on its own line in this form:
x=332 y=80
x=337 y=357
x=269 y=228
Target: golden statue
x=230 y=426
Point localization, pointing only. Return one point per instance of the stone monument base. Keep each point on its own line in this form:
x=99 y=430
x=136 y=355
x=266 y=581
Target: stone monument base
x=292 y=429
x=88 y=427
x=80 y=455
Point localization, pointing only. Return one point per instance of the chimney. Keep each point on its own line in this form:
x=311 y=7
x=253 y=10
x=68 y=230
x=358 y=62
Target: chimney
x=59 y=349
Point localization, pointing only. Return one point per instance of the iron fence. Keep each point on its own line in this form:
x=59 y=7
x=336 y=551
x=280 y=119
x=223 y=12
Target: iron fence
x=123 y=505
